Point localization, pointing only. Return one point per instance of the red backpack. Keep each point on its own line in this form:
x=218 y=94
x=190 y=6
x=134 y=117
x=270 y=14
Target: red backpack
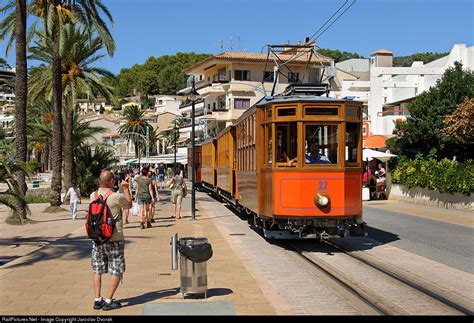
x=100 y=223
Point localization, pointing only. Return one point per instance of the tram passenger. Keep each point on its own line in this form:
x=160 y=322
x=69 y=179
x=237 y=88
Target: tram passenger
x=312 y=156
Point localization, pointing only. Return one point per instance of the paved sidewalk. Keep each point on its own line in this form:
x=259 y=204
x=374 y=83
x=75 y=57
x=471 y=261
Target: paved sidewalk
x=465 y=218
x=56 y=278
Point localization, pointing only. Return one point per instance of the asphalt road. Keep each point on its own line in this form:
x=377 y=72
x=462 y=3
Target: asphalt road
x=447 y=243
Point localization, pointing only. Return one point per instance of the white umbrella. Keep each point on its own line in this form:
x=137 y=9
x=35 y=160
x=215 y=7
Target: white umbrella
x=369 y=154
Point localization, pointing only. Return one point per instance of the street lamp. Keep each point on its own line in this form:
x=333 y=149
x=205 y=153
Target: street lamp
x=175 y=145
x=193 y=95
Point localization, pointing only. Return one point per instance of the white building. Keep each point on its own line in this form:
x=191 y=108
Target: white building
x=389 y=89
x=168 y=103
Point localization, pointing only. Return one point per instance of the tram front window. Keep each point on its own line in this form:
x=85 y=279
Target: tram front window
x=286 y=145
x=321 y=144
x=352 y=140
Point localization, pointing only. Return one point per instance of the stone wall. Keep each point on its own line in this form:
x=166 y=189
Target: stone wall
x=432 y=198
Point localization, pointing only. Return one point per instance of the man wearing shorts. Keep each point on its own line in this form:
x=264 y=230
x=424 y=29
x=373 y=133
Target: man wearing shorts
x=109 y=256
x=161 y=175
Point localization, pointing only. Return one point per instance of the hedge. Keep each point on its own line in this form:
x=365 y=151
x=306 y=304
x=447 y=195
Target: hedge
x=445 y=176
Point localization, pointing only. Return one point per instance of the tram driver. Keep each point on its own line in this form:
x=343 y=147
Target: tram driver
x=313 y=156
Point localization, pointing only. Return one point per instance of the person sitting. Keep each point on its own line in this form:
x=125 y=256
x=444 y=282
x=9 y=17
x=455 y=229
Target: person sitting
x=313 y=156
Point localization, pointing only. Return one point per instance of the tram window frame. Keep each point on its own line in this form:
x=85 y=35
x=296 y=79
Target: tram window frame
x=286 y=109
x=268 y=142
x=357 y=141
x=304 y=146
x=289 y=133
x=351 y=116
x=332 y=109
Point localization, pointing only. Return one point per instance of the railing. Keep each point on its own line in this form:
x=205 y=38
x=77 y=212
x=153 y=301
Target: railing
x=189 y=103
x=393 y=112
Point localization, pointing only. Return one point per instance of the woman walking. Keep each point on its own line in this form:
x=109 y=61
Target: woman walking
x=176 y=184
x=155 y=197
x=144 y=196
x=128 y=179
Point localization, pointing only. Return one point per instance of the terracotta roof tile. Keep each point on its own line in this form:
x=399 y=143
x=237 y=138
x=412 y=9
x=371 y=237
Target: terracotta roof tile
x=260 y=57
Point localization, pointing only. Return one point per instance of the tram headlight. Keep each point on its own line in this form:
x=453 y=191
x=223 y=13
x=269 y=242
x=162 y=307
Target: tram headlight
x=322 y=199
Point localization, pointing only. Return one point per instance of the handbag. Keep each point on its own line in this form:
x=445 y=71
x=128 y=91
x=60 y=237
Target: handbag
x=170 y=183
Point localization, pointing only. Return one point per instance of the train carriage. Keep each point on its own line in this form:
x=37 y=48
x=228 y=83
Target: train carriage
x=208 y=164
x=293 y=165
x=309 y=166
x=225 y=163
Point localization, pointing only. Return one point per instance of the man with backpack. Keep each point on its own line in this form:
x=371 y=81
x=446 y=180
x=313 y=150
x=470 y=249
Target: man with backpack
x=104 y=225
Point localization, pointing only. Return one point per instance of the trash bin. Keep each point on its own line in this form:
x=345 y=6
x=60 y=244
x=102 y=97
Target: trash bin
x=194 y=253
x=36 y=183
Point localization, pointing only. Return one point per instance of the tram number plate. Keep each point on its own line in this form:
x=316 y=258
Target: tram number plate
x=322 y=185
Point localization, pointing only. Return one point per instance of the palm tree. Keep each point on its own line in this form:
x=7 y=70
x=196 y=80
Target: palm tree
x=14 y=192
x=170 y=136
x=134 y=124
x=40 y=129
x=14 y=27
x=78 y=78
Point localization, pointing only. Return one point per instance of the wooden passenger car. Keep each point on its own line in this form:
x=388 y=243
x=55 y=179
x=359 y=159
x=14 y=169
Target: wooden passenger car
x=288 y=195
x=197 y=161
x=293 y=164
x=225 y=163
x=208 y=164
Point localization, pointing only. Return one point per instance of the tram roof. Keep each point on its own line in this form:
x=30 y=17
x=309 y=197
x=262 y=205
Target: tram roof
x=295 y=98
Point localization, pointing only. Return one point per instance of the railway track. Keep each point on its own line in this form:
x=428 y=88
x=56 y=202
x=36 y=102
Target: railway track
x=385 y=291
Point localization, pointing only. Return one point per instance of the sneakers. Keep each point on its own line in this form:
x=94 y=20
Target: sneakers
x=111 y=306
x=152 y=221
x=142 y=225
x=148 y=225
x=99 y=304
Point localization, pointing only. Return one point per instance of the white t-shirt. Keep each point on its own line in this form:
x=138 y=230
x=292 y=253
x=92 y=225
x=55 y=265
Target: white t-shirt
x=73 y=195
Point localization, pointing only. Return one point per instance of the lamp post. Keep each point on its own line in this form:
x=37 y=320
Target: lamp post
x=175 y=145
x=193 y=95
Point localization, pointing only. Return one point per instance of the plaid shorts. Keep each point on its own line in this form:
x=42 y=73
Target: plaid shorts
x=108 y=257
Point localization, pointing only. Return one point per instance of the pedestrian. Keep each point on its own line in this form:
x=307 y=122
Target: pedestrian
x=176 y=184
x=155 y=197
x=144 y=196
x=109 y=257
x=128 y=179
x=161 y=175
x=74 y=195
x=169 y=173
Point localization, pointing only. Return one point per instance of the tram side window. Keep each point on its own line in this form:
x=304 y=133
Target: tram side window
x=286 y=146
x=321 y=144
x=268 y=137
x=352 y=139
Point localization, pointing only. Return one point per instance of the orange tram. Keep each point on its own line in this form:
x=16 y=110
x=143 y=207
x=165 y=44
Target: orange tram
x=292 y=164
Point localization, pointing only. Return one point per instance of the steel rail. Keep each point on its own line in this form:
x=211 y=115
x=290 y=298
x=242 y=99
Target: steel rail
x=440 y=298
x=342 y=281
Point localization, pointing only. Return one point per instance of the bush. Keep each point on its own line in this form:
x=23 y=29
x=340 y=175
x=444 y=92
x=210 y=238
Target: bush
x=33 y=166
x=444 y=176
x=33 y=199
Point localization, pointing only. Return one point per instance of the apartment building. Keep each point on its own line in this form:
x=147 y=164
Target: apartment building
x=231 y=82
x=387 y=90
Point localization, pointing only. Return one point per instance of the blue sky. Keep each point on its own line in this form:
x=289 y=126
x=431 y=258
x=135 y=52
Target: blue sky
x=163 y=27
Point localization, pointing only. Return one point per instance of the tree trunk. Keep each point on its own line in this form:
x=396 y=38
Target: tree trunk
x=21 y=89
x=68 y=149
x=57 y=158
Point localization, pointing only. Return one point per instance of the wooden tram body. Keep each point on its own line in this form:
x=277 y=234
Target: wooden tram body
x=248 y=166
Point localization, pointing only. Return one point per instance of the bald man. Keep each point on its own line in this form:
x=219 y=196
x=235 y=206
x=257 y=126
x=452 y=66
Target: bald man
x=109 y=256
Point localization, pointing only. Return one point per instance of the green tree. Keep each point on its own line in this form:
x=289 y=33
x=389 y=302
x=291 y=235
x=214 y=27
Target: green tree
x=80 y=52
x=10 y=195
x=158 y=75
x=337 y=55
x=423 y=131
x=134 y=124
x=14 y=28
x=406 y=61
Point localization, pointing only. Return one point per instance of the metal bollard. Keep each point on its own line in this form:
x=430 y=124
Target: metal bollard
x=174 y=252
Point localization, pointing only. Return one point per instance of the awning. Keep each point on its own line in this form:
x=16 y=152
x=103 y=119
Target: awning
x=375 y=141
x=369 y=154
